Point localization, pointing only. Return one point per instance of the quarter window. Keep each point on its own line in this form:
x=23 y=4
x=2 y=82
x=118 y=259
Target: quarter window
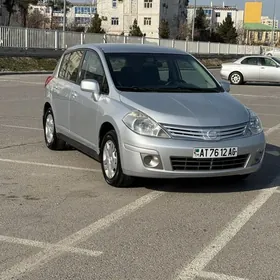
x=63 y=67
x=147 y=21
x=73 y=66
x=92 y=69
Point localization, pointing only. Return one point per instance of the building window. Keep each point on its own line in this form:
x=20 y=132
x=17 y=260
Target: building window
x=218 y=14
x=260 y=36
x=148 y=3
x=147 y=21
x=85 y=10
x=208 y=13
x=229 y=14
x=114 y=3
x=114 y=21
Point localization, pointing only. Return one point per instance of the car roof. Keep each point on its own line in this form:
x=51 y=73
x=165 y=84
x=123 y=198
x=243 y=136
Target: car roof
x=128 y=48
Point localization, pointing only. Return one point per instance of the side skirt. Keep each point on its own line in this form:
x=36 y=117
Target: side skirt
x=82 y=148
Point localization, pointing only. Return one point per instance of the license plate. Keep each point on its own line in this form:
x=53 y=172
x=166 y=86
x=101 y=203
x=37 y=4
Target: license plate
x=215 y=152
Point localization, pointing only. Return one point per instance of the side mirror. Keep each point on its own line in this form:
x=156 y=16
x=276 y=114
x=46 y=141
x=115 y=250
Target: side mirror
x=91 y=86
x=225 y=85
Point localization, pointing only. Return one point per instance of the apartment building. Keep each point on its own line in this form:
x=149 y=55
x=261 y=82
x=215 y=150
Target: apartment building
x=118 y=15
x=79 y=14
x=217 y=14
x=268 y=21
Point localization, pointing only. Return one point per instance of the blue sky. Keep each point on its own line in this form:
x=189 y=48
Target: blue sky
x=267 y=5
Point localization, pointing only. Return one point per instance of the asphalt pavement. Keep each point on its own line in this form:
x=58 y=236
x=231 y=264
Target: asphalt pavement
x=60 y=220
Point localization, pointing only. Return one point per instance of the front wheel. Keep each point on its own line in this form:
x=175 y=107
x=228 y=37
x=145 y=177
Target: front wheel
x=111 y=163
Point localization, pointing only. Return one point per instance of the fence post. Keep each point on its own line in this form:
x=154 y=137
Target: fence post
x=209 y=46
x=219 y=48
x=124 y=39
x=143 y=40
x=186 y=45
x=197 y=47
x=104 y=39
x=82 y=38
x=228 y=48
x=173 y=43
x=56 y=39
x=26 y=38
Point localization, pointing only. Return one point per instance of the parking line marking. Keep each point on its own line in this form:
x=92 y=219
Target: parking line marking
x=21 y=127
x=218 y=276
x=20 y=81
x=272 y=129
x=48 y=165
x=41 y=258
x=193 y=269
x=44 y=245
x=256 y=96
x=19 y=100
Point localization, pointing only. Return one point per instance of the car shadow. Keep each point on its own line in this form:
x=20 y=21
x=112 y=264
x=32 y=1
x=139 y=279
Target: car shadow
x=262 y=84
x=263 y=179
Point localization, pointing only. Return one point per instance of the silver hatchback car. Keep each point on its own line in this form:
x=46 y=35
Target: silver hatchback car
x=148 y=111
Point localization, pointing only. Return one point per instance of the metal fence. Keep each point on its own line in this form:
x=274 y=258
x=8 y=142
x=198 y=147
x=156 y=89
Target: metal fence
x=41 y=38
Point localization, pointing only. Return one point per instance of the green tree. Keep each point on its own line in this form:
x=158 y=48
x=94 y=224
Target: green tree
x=135 y=30
x=164 y=30
x=201 y=26
x=96 y=25
x=227 y=32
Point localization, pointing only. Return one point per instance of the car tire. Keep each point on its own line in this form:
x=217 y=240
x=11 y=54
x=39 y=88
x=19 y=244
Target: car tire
x=236 y=78
x=51 y=139
x=111 y=163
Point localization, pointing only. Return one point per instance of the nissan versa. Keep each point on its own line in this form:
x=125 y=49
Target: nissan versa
x=149 y=111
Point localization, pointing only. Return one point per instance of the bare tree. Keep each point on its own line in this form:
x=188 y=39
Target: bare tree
x=37 y=20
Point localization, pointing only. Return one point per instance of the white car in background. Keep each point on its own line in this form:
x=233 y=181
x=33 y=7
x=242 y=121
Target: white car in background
x=274 y=52
x=252 y=69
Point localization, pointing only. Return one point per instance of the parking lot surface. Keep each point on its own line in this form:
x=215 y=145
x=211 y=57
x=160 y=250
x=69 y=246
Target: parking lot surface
x=60 y=220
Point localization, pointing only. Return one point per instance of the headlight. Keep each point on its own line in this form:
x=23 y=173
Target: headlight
x=255 y=125
x=143 y=125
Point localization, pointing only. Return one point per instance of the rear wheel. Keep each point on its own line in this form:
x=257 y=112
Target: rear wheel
x=51 y=139
x=111 y=163
x=236 y=78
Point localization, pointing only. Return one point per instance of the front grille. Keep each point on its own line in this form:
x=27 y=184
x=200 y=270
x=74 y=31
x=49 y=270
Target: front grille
x=206 y=133
x=201 y=164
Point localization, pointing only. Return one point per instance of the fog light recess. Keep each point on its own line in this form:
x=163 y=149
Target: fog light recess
x=151 y=161
x=258 y=156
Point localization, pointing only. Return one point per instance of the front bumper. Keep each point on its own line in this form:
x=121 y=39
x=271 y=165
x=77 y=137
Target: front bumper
x=134 y=147
x=224 y=74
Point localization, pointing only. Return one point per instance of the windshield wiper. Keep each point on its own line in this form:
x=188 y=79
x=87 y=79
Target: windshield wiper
x=135 y=88
x=191 y=89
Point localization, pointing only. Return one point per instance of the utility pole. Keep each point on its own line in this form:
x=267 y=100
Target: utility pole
x=273 y=25
x=64 y=15
x=64 y=21
x=194 y=16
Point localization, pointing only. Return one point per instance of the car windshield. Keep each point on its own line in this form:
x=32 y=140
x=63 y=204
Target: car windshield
x=159 y=72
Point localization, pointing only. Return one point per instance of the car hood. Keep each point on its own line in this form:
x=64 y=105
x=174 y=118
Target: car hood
x=188 y=109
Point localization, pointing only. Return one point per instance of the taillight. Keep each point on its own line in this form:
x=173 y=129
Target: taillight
x=48 y=80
